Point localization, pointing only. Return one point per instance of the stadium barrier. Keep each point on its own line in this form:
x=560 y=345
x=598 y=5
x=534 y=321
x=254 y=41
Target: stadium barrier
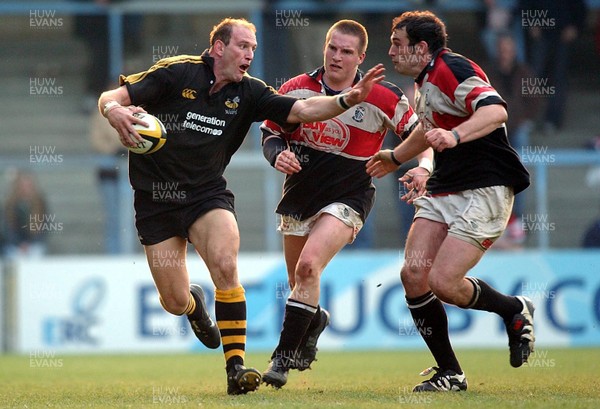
x=109 y=305
x=537 y=159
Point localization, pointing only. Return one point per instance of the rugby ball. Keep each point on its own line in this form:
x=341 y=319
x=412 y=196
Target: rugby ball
x=155 y=135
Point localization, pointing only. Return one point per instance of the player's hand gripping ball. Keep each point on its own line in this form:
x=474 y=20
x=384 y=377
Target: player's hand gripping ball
x=155 y=135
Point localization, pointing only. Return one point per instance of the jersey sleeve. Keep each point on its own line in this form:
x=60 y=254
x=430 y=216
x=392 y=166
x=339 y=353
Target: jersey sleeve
x=271 y=105
x=405 y=118
x=399 y=115
x=148 y=87
x=466 y=85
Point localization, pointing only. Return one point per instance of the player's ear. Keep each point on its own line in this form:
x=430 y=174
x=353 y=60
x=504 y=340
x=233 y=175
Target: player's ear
x=361 y=58
x=219 y=47
x=422 y=48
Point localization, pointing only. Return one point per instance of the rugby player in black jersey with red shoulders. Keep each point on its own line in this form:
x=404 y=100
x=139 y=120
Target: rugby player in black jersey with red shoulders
x=470 y=193
x=208 y=102
x=327 y=194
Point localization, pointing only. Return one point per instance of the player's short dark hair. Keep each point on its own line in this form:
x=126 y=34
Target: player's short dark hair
x=353 y=28
x=422 y=26
x=222 y=31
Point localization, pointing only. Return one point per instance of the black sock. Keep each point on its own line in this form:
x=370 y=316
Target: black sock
x=431 y=321
x=316 y=320
x=485 y=298
x=296 y=321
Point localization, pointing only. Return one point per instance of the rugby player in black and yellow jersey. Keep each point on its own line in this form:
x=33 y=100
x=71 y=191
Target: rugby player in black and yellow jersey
x=208 y=103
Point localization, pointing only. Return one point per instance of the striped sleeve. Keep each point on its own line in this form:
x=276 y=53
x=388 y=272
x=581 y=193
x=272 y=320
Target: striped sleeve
x=465 y=83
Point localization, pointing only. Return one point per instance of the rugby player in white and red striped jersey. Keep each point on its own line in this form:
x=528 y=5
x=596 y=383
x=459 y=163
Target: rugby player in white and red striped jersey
x=470 y=193
x=327 y=193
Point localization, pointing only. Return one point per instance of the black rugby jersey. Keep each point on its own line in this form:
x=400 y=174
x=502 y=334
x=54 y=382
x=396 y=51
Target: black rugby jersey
x=333 y=153
x=203 y=131
x=448 y=90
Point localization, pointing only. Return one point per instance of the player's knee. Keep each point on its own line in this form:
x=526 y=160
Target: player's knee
x=225 y=264
x=307 y=270
x=443 y=288
x=411 y=276
x=223 y=269
x=175 y=303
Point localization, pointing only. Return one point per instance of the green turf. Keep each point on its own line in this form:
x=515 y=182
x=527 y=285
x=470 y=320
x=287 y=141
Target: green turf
x=556 y=378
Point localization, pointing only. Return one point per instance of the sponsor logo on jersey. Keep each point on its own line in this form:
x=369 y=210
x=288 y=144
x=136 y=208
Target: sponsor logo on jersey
x=359 y=114
x=331 y=135
x=189 y=93
x=232 y=105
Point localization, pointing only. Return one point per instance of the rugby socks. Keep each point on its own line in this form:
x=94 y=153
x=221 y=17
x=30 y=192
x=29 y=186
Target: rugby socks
x=485 y=298
x=314 y=323
x=190 y=310
x=296 y=320
x=230 y=311
x=316 y=320
x=431 y=321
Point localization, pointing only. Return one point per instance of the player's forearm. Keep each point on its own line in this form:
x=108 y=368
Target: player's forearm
x=119 y=95
x=317 y=109
x=483 y=122
x=414 y=146
x=273 y=145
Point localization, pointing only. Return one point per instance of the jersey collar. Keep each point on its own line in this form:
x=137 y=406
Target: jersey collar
x=431 y=64
x=317 y=75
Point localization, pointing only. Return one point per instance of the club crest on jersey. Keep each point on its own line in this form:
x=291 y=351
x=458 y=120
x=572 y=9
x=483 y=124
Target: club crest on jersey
x=188 y=93
x=330 y=136
x=359 y=114
x=232 y=105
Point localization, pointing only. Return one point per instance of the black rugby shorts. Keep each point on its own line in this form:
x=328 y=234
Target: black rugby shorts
x=157 y=220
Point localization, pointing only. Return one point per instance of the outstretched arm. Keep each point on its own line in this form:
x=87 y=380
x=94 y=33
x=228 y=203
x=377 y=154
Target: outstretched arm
x=321 y=108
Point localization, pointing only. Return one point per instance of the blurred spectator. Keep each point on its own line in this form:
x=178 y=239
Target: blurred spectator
x=93 y=30
x=106 y=143
x=552 y=27
x=25 y=213
x=591 y=237
x=498 y=17
x=506 y=74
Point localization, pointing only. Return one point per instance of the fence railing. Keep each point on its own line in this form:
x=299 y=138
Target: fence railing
x=271 y=185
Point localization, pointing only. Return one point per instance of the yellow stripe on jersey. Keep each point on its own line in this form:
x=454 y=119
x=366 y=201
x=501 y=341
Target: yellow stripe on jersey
x=164 y=63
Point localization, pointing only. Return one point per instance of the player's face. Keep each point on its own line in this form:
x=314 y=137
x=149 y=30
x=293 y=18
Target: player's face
x=407 y=59
x=239 y=53
x=341 y=59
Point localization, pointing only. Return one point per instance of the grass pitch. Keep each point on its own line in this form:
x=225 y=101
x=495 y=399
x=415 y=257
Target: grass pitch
x=555 y=378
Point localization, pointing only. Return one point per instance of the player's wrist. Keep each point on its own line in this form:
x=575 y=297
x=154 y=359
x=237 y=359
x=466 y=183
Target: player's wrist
x=456 y=136
x=394 y=159
x=109 y=106
x=426 y=164
x=341 y=101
